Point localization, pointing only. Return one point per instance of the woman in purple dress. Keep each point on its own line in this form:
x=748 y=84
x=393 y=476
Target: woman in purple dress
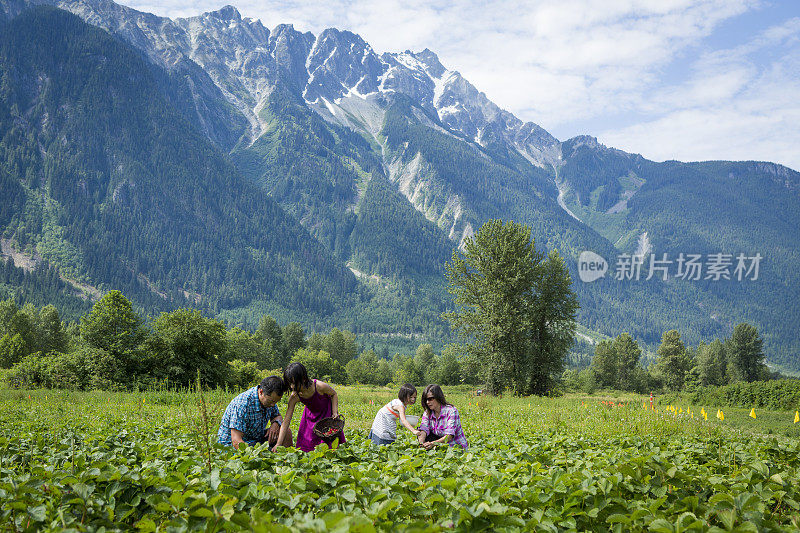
x=320 y=401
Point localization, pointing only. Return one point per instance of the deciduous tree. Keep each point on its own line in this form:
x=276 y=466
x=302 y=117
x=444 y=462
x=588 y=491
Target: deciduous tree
x=745 y=353
x=673 y=360
x=514 y=309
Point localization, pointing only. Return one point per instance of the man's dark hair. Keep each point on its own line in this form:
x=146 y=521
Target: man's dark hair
x=406 y=391
x=272 y=384
x=436 y=392
x=295 y=377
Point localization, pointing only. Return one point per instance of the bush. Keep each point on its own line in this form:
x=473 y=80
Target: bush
x=780 y=395
x=66 y=371
x=52 y=371
x=28 y=373
x=321 y=365
x=243 y=375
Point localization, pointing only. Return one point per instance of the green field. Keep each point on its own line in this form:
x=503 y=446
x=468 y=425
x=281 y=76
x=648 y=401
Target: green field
x=140 y=461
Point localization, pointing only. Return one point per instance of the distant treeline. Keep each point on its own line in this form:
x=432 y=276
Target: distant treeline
x=112 y=347
x=616 y=364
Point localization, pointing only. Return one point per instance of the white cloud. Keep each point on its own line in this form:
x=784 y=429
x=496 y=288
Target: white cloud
x=734 y=106
x=571 y=64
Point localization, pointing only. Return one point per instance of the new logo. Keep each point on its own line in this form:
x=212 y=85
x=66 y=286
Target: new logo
x=591 y=266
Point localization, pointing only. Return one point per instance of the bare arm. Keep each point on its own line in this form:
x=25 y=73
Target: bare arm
x=422 y=434
x=286 y=421
x=237 y=437
x=404 y=420
x=324 y=388
x=274 y=428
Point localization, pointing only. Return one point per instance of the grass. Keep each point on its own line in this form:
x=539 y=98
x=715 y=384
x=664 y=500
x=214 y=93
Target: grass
x=572 y=413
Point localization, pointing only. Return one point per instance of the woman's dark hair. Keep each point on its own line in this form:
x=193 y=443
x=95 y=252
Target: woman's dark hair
x=406 y=391
x=295 y=377
x=434 y=391
x=272 y=384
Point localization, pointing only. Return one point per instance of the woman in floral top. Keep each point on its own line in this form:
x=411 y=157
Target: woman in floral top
x=440 y=424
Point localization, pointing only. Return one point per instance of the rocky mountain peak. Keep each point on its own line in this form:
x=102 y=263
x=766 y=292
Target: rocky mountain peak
x=431 y=63
x=244 y=59
x=584 y=140
x=226 y=13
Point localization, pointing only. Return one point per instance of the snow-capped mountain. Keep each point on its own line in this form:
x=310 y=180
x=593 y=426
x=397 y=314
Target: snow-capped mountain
x=245 y=60
x=390 y=160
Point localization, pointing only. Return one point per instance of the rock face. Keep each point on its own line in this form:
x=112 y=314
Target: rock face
x=227 y=67
x=245 y=61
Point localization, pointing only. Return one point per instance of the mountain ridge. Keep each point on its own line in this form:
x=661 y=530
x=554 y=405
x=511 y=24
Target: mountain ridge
x=348 y=141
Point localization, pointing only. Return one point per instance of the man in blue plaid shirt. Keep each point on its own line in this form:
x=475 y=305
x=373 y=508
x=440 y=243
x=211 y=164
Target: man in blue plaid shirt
x=253 y=416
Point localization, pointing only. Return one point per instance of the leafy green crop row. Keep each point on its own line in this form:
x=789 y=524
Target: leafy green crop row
x=136 y=468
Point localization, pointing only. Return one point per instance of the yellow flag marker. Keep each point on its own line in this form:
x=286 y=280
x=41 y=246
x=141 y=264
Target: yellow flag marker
x=753 y=413
x=796 y=417
x=644 y=404
x=720 y=415
x=703 y=412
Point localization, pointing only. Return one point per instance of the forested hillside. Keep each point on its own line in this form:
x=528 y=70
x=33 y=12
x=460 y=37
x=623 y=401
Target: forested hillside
x=704 y=209
x=112 y=185
x=215 y=163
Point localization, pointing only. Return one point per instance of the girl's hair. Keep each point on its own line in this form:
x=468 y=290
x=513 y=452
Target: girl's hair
x=295 y=377
x=436 y=392
x=406 y=391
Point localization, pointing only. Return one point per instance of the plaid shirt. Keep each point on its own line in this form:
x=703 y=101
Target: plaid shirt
x=448 y=423
x=246 y=414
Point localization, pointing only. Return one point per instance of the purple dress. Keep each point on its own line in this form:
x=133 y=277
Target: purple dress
x=317 y=407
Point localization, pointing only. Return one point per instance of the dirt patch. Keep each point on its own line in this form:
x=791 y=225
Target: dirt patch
x=21 y=260
x=28 y=263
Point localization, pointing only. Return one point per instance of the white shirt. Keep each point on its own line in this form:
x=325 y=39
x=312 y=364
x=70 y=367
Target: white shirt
x=385 y=424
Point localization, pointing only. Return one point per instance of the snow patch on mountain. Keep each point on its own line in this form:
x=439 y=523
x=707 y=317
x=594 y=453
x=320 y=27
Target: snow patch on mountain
x=643 y=247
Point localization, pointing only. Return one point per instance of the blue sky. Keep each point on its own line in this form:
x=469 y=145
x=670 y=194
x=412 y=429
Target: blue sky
x=670 y=79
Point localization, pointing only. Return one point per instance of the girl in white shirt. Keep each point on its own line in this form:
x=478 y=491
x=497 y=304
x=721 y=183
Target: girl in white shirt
x=384 y=427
